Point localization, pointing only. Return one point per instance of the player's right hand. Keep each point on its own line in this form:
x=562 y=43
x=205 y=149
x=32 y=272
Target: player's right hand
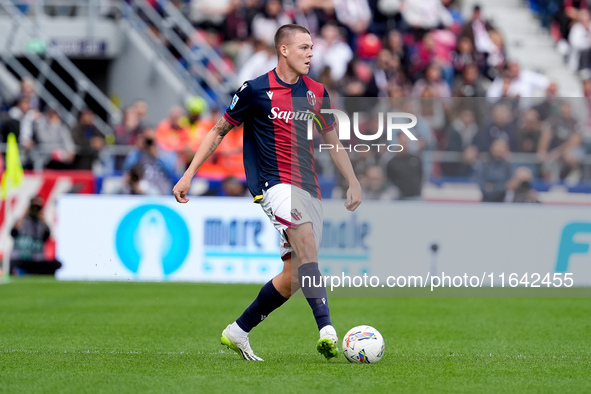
x=353 y=196
x=181 y=189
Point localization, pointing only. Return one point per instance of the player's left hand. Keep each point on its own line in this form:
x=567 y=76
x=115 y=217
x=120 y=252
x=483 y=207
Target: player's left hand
x=353 y=196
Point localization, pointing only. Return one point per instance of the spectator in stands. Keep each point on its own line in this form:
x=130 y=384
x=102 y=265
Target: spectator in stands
x=405 y=171
x=233 y=187
x=454 y=8
x=354 y=15
x=265 y=24
x=519 y=187
x=141 y=110
x=522 y=83
x=228 y=159
x=361 y=161
x=550 y=105
x=494 y=172
x=445 y=45
x=433 y=110
x=423 y=130
x=19 y=120
x=54 y=141
x=469 y=83
x=433 y=80
x=395 y=43
x=465 y=54
x=129 y=130
x=529 y=132
x=567 y=16
x=384 y=71
x=356 y=79
x=579 y=40
x=158 y=168
x=197 y=125
x=497 y=59
x=420 y=16
x=374 y=185
x=209 y=14
x=27 y=90
x=558 y=145
x=462 y=133
x=263 y=59
x=309 y=15
x=422 y=55
x=500 y=127
x=235 y=26
x=30 y=234
x=131 y=182
x=88 y=140
x=477 y=31
x=172 y=134
x=331 y=50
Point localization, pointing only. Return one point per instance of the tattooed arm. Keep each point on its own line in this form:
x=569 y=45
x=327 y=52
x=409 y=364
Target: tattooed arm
x=206 y=149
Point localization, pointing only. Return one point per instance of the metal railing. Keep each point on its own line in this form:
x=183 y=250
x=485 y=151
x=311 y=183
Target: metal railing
x=141 y=16
x=84 y=89
x=203 y=71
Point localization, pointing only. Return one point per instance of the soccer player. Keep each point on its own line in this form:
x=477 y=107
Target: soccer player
x=279 y=165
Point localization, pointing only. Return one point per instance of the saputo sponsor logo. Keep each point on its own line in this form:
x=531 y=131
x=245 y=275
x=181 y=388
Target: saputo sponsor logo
x=287 y=116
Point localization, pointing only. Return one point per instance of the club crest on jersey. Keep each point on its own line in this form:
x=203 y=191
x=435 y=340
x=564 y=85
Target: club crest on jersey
x=295 y=214
x=311 y=97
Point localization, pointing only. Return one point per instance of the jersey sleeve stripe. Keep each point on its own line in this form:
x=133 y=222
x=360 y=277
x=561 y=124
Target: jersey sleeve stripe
x=231 y=120
x=285 y=222
x=332 y=126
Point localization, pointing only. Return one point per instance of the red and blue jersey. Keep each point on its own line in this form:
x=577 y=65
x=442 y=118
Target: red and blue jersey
x=275 y=116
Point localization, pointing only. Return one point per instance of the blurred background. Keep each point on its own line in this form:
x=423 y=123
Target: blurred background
x=113 y=97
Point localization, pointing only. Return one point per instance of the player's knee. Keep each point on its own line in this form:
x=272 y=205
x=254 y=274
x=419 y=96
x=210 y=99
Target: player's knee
x=304 y=244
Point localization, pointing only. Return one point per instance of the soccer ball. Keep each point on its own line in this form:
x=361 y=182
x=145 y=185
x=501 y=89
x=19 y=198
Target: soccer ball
x=363 y=344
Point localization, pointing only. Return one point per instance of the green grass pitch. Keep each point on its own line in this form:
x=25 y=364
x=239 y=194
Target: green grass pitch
x=73 y=337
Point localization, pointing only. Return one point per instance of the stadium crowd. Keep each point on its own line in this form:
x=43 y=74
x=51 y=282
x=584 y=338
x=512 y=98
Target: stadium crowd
x=476 y=118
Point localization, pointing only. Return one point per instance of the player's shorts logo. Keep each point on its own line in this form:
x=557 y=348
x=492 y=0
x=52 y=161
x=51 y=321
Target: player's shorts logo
x=311 y=97
x=296 y=215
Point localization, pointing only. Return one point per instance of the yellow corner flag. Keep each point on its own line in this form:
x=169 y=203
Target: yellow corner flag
x=13 y=172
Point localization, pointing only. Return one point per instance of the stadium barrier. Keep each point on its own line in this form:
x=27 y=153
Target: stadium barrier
x=231 y=240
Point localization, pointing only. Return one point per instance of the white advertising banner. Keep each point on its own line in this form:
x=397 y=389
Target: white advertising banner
x=231 y=240
x=154 y=239
x=491 y=241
